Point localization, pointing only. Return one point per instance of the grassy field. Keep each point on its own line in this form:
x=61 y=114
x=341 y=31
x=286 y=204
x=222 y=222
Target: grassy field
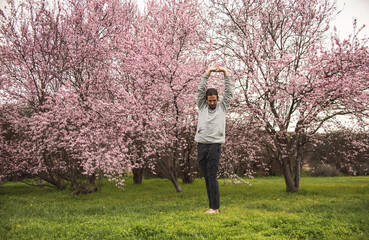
x=325 y=208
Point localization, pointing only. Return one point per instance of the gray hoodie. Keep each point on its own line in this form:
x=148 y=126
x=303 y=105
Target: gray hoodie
x=211 y=123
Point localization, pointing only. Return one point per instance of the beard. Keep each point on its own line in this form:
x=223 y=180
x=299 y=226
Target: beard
x=212 y=107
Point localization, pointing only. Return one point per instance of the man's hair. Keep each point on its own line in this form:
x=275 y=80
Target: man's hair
x=211 y=92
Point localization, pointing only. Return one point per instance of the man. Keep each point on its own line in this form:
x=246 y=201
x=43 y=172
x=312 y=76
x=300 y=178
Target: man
x=210 y=133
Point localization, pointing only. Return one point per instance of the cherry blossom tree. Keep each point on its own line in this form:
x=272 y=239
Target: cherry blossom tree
x=29 y=72
x=65 y=103
x=171 y=50
x=293 y=82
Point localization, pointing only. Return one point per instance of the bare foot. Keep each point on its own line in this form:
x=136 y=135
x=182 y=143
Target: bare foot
x=211 y=211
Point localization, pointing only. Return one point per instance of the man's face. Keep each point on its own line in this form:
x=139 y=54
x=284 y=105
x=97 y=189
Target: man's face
x=212 y=101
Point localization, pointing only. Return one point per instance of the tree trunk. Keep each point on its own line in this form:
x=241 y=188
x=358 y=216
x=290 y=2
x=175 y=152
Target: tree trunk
x=298 y=172
x=137 y=175
x=186 y=174
x=166 y=170
x=292 y=184
x=47 y=177
x=91 y=180
x=176 y=184
x=186 y=179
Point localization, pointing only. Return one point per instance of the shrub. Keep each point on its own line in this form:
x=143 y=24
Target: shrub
x=325 y=171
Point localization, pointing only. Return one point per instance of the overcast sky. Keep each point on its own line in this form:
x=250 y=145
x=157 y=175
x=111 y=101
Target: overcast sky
x=351 y=9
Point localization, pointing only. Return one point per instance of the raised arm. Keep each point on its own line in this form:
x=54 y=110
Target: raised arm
x=228 y=88
x=201 y=96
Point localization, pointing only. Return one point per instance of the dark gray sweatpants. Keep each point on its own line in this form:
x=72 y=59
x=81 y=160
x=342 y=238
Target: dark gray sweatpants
x=208 y=156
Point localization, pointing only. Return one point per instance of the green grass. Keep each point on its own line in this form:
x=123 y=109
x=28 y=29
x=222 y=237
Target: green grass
x=325 y=208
